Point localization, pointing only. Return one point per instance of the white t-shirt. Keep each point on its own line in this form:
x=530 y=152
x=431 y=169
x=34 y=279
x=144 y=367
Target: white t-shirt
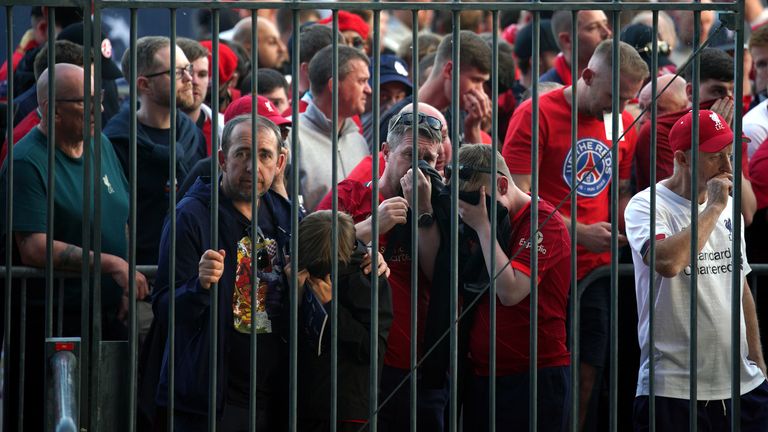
x=672 y=300
x=755 y=126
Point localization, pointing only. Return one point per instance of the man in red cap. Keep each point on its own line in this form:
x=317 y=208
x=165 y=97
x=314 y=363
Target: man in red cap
x=227 y=68
x=353 y=27
x=715 y=268
x=241 y=106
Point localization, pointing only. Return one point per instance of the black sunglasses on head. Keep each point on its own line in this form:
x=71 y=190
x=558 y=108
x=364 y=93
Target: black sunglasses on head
x=407 y=119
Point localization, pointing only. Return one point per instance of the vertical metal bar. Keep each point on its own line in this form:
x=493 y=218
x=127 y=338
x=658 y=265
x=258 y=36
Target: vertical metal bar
x=533 y=390
x=171 y=344
x=454 y=287
x=51 y=130
x=652 y=252
x=494 y=222
x=736 y=281
x=335 y=225
x=252 y=402
x=413 y=383
x=22 y=342
x=60 y=308
x=85 y=269
x=214 y=324
x=133 y=336
x=574 y=304
x=615 y=180
x=8 y=282
x=51 y=126
x=96 y=228
x=693 y=360
x=294 y=301
x=374 y=332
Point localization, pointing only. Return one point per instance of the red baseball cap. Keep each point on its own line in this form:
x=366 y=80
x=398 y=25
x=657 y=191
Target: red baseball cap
x=227 y=61
x=714 y=132
x=349 y=22
x=264 y=107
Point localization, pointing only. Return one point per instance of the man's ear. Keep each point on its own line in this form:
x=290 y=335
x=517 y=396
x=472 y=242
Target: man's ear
x=385 y=150
x=281 y=158
x=564 y=41
x=689 y=91
x=681 y=158
x=588 y=75
x=447 y=71
x=222 y=160
x=142 y=85
x=502 y=185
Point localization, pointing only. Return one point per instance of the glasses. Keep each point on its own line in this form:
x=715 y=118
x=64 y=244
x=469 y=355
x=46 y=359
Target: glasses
x=189 y=69
x=664 y=48
x=407 y=119
x=80 y=101
x=466 y=172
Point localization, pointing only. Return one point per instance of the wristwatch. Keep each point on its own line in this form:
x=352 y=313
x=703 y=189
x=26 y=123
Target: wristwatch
x=426 y=220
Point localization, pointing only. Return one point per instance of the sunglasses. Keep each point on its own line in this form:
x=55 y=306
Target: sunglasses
x=408 y=119
x=664 y=48
x=466 y=172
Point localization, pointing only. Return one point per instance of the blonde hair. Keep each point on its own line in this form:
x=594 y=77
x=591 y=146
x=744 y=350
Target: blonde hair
x=315 y=251
x=630 y=62
x=479 y=156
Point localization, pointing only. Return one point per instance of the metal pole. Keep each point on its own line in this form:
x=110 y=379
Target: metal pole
x=494 y=222
x=574 y=304
x=693 y=360
x=252 y=402
x=615 y=180
x=214 y=324
x=652 y=251
x=413 y=387
x=374 y=332
x=294 y=301
x=454 y=265
x=171 y=343
x=533 y=390
x=7 y=322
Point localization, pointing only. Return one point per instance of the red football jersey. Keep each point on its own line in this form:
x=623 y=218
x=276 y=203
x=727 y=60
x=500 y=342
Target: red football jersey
x=513 y=322
x=594 y=167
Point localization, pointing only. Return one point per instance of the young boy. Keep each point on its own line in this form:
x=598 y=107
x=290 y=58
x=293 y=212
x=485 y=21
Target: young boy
x=354 y=321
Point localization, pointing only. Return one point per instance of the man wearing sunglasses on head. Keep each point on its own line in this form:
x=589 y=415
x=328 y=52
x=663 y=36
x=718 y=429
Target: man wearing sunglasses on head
x=153 y=83
x=513 y=282
x=396 y=213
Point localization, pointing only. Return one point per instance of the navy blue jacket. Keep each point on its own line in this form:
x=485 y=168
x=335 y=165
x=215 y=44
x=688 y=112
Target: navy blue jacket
x=152 y=174
x=193 y=302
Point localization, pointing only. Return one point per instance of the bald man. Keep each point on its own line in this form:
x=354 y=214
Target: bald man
x=30 y=160
x=272 y=52
x=670 y=100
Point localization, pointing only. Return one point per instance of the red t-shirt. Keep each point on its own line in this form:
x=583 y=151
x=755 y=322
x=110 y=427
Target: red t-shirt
x=758 y=168
x=665 y=156
x=594 y=165
x=364 y=169
x=20 y=131
x=513 y=322
x=355 y=198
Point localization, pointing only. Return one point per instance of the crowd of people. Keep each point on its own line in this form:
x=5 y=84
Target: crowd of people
x=409 y=197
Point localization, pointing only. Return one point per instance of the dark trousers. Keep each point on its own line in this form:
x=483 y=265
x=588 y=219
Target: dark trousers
x=512 y=407
x=395 y=415
x=673 y=414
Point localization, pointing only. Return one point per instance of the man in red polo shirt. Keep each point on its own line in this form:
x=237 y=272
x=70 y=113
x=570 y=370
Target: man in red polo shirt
x=513 y=264
x=355 y=198
x=595 y=172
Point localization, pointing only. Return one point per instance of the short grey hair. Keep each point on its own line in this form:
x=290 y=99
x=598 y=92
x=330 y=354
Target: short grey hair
x=398 y=131
x=263 y=124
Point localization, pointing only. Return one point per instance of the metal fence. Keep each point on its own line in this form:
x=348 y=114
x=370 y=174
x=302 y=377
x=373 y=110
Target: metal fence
x=91 y=360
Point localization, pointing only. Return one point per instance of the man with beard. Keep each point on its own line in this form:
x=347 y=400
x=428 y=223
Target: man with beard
x=153 y=72
x=199 y=112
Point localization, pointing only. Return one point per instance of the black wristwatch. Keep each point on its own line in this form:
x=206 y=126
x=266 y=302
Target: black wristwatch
x=426 y=220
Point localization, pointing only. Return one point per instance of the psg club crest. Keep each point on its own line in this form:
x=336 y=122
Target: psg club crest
x=593 y=167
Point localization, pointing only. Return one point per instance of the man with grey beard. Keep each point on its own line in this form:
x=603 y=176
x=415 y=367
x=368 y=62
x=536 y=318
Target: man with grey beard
x=153 y=74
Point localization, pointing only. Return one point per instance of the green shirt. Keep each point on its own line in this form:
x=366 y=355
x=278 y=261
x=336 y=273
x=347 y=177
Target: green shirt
x=30 y=211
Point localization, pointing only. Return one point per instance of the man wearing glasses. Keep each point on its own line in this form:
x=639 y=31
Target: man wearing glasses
x=30 y=224
x=395 y=216
x=153 y=136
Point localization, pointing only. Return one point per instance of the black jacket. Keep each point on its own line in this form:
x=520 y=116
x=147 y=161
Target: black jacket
x=354 y=324
x=152 y=174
